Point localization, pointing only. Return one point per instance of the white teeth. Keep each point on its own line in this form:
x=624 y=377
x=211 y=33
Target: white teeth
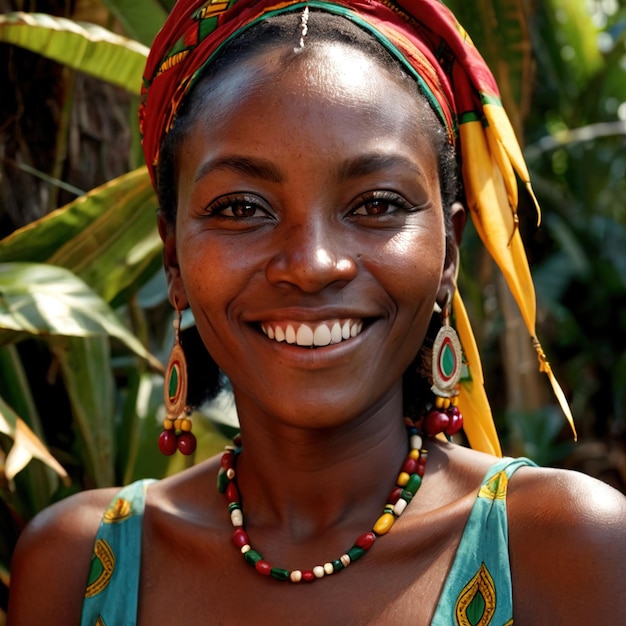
x=304 y=337
x=321 y=336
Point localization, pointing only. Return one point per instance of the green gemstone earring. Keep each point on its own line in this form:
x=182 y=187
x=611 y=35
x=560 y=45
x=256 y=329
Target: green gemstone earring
x=176 y=433
x=447 y=363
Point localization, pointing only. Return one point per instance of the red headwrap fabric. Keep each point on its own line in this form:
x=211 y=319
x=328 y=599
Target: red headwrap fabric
x=434 y=48
x=422 y=34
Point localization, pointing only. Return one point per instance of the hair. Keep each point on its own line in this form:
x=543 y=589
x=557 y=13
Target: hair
x=288 y=31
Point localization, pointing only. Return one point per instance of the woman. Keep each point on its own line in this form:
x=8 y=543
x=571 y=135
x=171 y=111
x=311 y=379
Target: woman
x=304 y=156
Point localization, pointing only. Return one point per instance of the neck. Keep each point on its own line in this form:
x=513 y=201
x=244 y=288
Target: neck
x=305 y=481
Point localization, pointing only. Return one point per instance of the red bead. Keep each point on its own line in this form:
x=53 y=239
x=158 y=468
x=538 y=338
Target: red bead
x=435 y=422
x=228 y=459
x=456 y=421
x=232 y=493
x=263 y=567
x=308 y=576
x=394 y=495
x=409 y=466
x=187 y=443
x=365 y=541
x=167 y=442
x=240 y=538
x=421 y=466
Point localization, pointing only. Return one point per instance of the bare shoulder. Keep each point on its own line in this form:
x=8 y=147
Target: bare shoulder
x=568 y=545
x=52 y=558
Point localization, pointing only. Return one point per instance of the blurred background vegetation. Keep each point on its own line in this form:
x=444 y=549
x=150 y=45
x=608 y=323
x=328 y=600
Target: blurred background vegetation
x=84 y=322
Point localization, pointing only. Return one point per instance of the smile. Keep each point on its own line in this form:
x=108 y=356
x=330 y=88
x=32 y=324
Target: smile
x=315 y=335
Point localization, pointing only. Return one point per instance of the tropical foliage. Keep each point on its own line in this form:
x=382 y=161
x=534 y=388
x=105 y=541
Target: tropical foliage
x=84 y=326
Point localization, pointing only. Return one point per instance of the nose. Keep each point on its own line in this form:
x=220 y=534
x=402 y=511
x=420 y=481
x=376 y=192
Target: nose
x=312 y=256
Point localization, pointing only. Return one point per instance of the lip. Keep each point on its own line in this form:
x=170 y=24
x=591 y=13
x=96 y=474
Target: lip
x=309 y=334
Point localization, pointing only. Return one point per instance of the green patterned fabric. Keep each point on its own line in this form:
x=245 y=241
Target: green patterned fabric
x=478 y=589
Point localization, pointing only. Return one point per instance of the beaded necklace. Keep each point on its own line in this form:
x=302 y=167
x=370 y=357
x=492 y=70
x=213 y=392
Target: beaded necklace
x=408 y=482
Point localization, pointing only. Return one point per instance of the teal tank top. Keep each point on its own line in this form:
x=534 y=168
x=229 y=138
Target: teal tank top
x=477 y=591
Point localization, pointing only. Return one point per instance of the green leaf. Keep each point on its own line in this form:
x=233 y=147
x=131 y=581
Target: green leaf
x=108 y=237
x=86 y=367
x=141 y=19
x=79 y=45
x=43 y=300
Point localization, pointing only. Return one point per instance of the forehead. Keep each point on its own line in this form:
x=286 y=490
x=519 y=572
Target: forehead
x=325 y=76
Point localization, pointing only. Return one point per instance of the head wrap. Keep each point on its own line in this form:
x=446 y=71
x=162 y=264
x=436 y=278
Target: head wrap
x=434 y=48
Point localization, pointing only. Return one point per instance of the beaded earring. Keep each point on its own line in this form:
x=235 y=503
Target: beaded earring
x=446 y=365
x=176 y=433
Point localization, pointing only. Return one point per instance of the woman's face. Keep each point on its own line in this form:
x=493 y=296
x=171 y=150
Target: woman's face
x=309 y=212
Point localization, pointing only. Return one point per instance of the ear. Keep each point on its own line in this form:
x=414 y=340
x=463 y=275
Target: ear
x=458 y=217
x=175 y=288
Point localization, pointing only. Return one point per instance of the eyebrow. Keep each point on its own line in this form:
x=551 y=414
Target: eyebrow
x=373 y=163
x=249 y=166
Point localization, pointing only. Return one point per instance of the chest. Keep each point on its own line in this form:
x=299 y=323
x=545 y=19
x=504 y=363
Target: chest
x=398 y=582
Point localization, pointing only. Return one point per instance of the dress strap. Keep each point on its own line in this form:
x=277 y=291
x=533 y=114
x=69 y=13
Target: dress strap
x=113 y=586
x=478 y=589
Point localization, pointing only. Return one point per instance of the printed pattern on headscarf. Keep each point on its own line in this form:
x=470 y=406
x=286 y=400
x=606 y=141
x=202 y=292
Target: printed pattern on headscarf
x=434 y=48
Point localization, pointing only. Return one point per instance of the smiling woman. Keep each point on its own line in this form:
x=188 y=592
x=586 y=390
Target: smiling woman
x=305 y=158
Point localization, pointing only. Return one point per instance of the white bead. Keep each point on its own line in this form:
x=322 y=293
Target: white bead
x=318 y=570
x=295 y=576
x=399 y=506
x=345 y=559
x=245 y=548
x=328 y=569
x=230 y=473
x=236 y=517
x=416 y=442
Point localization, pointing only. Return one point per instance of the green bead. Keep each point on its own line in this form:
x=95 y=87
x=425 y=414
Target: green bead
x=355 y=553
x=222 y=480
x=252 y=557
x=406 y=495
x=279 y=574
x=388 y=508
x=234 y=505
x=337 y=565
x=415 y=482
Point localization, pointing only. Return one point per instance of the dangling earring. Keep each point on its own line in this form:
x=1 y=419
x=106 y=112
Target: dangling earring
x=177 y=423
x=447 y=362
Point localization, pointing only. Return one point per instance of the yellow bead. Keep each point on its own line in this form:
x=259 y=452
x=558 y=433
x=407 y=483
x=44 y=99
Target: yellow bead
x=384 y=523
x=403 y=479
x=454 y=400
x=414 y=454
x=177 y=423
x=185 y=424
x=168 y=424
x=439 y=402
x=446 y=403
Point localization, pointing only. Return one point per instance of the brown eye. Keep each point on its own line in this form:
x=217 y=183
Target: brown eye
x=375 y=207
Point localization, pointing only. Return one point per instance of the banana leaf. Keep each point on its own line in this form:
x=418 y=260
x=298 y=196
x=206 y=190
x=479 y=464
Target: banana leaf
x=79 y=45
x=108 y=237
x=43 y=300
